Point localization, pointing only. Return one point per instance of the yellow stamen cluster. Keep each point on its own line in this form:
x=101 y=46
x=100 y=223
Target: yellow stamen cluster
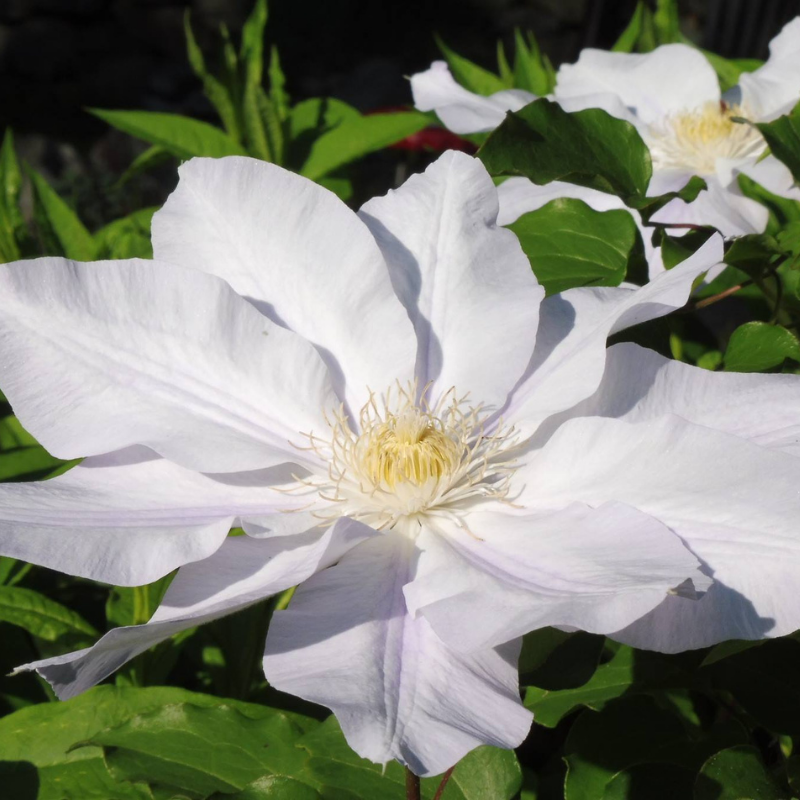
x=407 y=459
x=696 y=139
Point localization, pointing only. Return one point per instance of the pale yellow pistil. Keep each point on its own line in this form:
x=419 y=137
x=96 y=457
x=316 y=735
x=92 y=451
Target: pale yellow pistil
x=694 y=140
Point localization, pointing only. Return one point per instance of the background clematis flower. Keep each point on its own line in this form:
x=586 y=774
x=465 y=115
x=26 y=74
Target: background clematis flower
x=465 y=112
x=673 y=98
x=439 y=457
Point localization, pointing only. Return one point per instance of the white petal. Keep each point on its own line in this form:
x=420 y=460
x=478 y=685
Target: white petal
x=724 y=207
x=301 y=255
x=347 y=642
x=773 y=175
x=578 y=567
x=774 y=88
x=640 y=385
x=569 y=359
x=670 y=79
x=466 y=283
x=126 y=519
x=460 y=110
x=242 y=572
x=100 y=356
x=518 y=196
x=734 y=503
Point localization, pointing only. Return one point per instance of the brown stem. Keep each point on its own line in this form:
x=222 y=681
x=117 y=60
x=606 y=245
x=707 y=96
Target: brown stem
x=412 y=786
x=445 y=778
x=709 y=301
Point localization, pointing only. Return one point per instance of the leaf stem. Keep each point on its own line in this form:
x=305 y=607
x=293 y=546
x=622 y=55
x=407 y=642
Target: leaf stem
x=412 y=786
x=709 y=301
x=443 y=784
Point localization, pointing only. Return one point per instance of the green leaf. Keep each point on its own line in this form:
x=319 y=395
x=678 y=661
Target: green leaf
x=753 y=253
x=273 y=787
x=129 y=234
x=12 y=224
x=201 y=750
x=503 y=67
x=568 y=664
x=756 y=346
x=277 y=83
x=667 y=22
x=134 y=605
x=150 y=158
x=650 y=782
x=74 y=240
x=591 y=148
x=472 y=77
x=487 y=773
x=214 y=90
x=730 y=69
x=783 y=137
x=530 y=70
x=356 y=137
x=184 y=137
x=728 y=649
x=251 y=52
x=41 y=616
x=629 y=38
x=309 y=120
x=735 y=774
x=570 y=244
x=675 y=249
x=28 y=463
x=253 y=121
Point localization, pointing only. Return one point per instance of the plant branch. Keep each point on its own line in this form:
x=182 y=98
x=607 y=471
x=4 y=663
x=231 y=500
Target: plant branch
x=709 y=301
x=412 y=786
x=445 y=779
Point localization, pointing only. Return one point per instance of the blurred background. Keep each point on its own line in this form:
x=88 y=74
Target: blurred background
x=58 y=57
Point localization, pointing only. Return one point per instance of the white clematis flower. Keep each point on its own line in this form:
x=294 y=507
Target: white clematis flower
x=465 y=112
x=673 y=98
x=406 y=429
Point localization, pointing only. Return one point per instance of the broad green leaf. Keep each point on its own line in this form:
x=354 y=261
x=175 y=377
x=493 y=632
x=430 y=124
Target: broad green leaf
x=309 y=120
x=75 y=241
x=753 y=253
x=782 y=210
x=87 y=779
x=273 y=787
x=201 y=750
x=569 y=664
x=650 y=782
x=591 y=148
x=215 y=90
x=756 y=346
x=629 y=671
x=736 y=773
x=472 y=77
x=484 y=774
x=354 y=138
x=184 y=137
x=783 y=137
x=42 y=734
x=728 y=649
x=41 y=616
x=675 y=249
x=537 y=646
x=570 y=244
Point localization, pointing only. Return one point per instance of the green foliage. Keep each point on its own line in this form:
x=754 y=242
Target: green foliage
x=470 y=75
x=569 y=244
x=783 y=137
x=758 y=346
x=544 y=143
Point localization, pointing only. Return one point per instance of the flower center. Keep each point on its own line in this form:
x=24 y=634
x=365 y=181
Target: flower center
x=694 y=140
x=407 y=459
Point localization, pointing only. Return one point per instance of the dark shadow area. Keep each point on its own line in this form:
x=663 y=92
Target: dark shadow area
x=19 y=780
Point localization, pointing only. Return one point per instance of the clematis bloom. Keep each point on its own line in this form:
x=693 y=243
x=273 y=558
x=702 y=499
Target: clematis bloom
x=439 y=458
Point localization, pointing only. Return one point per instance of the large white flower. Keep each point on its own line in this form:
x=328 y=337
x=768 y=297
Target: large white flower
x=404 y=427
x=673 y=98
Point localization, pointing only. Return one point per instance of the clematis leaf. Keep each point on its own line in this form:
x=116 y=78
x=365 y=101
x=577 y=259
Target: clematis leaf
x=63 y=225
x=131 y=233
x=591 y=148
x=11 y=221
x=358 y=136
x=783 y=138
x=570 y=244
x=276 y=787
x=756 y=346
x=41 y=616
x=201 y=750
x=736 y=773
x=184 y=137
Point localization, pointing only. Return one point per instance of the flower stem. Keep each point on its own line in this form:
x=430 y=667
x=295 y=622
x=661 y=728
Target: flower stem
x=445 y=778
x=412 y=786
